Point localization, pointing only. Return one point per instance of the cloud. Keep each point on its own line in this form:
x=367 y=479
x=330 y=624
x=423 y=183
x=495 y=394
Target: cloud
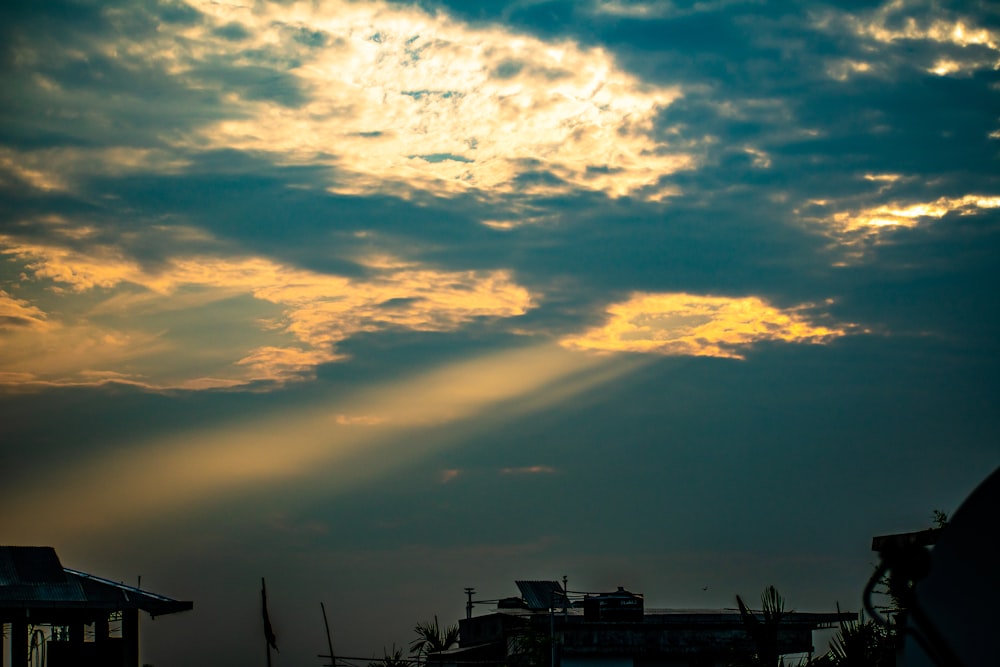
x=529 y=470
x=856 y=230
x=953 y=42
x=17 y=314
x=61 y=169
x=79 y=271
x=393 y=95
x=679 y=324
x=375 y=97
x=638 y=9
x=282 y=322
x=909 y=214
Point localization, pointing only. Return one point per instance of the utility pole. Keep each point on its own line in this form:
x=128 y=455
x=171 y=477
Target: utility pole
x=565 y=596
x=468 y=605
x=552 y=631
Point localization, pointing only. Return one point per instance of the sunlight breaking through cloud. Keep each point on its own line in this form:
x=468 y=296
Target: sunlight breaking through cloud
x=958 y=45
x=854 y=230
x=191 y=471
x=679 y=324
x=396 y=95
x=910 y=214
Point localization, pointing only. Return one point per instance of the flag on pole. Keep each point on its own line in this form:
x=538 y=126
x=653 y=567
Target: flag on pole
x=268 y=631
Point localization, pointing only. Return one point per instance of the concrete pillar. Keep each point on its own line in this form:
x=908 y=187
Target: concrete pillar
x=76 y=632
x=101 y=631
x=19 y=643
x=130 y=637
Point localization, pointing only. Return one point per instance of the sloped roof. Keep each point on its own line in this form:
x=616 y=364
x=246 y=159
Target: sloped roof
x=34 y=574
x=33 y=578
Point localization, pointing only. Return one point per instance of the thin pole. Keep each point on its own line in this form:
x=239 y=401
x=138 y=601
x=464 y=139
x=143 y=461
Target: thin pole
x=552 y=631
x=468 y=605
x=565 y=596
x=329 y=642
x=267 y=620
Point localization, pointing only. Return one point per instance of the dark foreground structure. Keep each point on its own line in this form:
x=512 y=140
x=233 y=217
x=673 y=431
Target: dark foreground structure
x=49 y=608
x=544 y=626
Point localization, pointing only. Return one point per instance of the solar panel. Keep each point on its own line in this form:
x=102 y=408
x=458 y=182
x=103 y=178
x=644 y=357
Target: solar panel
x=541 y=594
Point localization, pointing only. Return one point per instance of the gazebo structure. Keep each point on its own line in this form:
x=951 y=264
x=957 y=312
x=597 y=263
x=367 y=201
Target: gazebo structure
x=36 y=590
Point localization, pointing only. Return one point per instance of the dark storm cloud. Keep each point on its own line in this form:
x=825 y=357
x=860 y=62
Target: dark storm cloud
x=934 y=281
x=88 y=96
x=265 y=81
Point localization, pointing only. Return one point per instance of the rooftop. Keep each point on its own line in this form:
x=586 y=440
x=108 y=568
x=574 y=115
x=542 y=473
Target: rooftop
x=34 y=578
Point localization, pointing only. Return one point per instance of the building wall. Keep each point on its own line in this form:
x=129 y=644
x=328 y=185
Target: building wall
x=629 y=661
x=596 y=661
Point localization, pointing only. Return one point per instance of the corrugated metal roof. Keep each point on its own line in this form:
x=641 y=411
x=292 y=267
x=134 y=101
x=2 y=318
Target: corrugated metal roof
x=35 y=565
x=100 y=589
x=21 y=565
x=33 y=577
x=34 y=574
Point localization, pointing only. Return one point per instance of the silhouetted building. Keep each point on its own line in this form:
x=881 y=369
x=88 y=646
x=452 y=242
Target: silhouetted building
x=36 y=591
x=614 y=630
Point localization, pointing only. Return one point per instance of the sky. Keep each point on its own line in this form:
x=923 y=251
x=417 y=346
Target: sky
x=381 y=300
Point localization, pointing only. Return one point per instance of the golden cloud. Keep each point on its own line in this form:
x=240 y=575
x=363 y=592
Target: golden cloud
x=680 y=324
x=887 y=25
x=449 y=474
x=288 y=320
x=397 y=95
x=529 y=470
x=910 y=214
x=856 y=229
x=391 y=97
x=938 y=30
x=18 y=314
x=58 y=169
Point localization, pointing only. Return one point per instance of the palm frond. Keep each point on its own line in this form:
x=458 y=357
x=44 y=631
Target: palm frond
x=431 y=638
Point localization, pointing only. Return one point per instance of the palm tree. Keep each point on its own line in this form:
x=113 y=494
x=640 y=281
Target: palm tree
x=861 y=643
x=431 y=638
x=764 y=631
x=391 y=659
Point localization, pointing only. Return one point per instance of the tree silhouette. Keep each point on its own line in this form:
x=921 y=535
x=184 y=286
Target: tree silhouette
x=764 y=630
x=860 y=643
x=391 y=659
x=431 y=638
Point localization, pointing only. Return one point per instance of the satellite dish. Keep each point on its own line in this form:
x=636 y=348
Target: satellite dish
x=954 y=619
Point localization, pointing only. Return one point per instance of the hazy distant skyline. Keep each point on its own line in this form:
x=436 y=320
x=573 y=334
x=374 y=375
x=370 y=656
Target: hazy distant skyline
x=381 y=300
